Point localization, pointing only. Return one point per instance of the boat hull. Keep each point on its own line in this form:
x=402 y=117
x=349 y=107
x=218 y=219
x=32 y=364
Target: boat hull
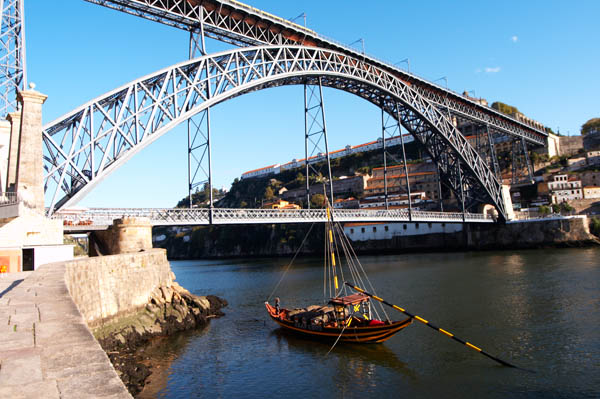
x=352 y=334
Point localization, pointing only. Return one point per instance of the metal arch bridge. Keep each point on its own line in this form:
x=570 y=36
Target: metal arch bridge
x=102 y=218
x=89 y=143
x=83 y=147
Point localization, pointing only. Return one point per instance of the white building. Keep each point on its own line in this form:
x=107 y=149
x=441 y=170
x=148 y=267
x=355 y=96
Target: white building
x=591 y=192
x=561 y=189
x=386 y=231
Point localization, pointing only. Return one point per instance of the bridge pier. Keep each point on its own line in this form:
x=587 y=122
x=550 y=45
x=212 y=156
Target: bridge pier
x=128 y=234
x=28 y=239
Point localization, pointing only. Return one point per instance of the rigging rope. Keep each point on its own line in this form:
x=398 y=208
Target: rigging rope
x=287 y=268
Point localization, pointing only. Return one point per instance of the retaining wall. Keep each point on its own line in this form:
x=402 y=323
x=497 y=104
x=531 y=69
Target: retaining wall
x=111 y=286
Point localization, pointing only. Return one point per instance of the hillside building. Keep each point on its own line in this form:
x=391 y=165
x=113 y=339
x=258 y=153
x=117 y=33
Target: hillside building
x=562 y=189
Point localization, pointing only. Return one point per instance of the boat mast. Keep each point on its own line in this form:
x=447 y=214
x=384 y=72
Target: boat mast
x=331 y=248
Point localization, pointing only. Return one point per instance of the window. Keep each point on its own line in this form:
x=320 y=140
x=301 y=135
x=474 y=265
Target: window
x=362 y=229
x=429 y=224
x=404 y=227
x=374 y=229
x=351 y=231
x=387 y=228
x=416 y=225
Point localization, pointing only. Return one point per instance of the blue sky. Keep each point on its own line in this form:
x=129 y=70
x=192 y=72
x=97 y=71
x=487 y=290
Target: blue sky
x=541 y=56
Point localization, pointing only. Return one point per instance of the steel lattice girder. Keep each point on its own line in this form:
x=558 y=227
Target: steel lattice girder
x=242 y=25
x=13 y=73
x=101 y=218
x=87 y=144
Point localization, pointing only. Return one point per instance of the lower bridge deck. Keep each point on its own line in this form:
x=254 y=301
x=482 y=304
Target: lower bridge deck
x=101 y=218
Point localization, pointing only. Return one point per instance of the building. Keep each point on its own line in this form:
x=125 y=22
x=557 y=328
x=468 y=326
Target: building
x=280 y=204
x=593 y=157
x=417 y=201
x=344 y=186
x=422 y=177
x=591 y=141
x=348 y=150
x=576 y=163
x=590 y=178
x=591 y=192
x=562 y=189
x=347 y=203
x=387 y=231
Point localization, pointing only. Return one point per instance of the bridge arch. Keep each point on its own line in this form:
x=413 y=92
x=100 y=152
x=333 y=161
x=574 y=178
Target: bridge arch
x=86 y=145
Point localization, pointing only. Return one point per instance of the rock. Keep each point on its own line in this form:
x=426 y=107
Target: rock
x=167 y=294
x=201 y=302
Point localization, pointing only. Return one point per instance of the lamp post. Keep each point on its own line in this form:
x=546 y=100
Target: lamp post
x=303 y=15
x=407 y=64
x=361 y=40
x=442 y=78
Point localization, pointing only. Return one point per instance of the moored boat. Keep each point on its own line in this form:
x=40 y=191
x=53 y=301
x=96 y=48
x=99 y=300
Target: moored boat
x=343 y=316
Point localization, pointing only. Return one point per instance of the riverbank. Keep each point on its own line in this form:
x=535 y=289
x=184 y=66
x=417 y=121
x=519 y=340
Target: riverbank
x=223 y=242
x=170 y=310
x=128 y=299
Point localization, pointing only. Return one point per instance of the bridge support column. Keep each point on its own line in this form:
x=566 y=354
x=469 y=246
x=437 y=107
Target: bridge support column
x=508 y=206
x=128 y=234
x=30 y=171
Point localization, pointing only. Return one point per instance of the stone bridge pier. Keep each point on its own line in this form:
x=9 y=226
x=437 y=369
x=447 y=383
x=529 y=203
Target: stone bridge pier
x=129 y=234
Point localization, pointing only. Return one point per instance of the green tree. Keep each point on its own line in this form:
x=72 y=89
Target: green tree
x=555 y=208
x=318 y=201
x=590 y=126
x=504 y=108
x=544 y=210
x=565 y=206
x=269 y=193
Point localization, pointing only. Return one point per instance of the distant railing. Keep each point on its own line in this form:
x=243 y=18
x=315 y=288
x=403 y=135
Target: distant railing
x=8 y=199
x=102 y=217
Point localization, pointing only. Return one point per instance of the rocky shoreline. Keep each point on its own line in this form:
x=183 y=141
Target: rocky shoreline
x=168 y=311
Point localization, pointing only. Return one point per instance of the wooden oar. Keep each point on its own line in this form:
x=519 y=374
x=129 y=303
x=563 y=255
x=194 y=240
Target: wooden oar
x=448 y=334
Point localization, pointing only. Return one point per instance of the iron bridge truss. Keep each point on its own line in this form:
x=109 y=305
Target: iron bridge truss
x=242 y=25
x=84 y=146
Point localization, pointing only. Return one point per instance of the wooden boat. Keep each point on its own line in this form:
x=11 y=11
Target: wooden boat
x=344 y=317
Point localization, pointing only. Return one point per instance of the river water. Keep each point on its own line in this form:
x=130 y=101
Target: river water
x=539 y=309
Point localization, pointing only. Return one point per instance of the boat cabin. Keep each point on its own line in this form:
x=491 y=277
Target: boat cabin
x=355 y=305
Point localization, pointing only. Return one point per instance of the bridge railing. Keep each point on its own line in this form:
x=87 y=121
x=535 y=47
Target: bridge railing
x=8 y=198
x=203 y=216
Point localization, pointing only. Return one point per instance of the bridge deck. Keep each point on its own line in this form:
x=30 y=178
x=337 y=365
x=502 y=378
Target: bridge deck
x=101 y=218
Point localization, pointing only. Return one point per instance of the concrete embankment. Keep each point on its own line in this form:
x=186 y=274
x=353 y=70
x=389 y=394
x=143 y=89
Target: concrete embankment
x=51 y=318
x=46 y=348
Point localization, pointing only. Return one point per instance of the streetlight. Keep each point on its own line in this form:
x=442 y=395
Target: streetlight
x=471 y=91
x=407 y=64
x=362 y=42
x=303 y=15
x=444 y=78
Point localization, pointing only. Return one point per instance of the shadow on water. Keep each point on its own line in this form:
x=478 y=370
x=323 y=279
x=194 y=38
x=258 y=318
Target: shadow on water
x=357 y=357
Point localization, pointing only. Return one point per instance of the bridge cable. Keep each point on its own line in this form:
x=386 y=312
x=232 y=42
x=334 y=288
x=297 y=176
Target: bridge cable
x=287 y=268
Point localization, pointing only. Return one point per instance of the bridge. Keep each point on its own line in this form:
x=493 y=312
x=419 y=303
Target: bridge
x=103 y=218
x=84 y=146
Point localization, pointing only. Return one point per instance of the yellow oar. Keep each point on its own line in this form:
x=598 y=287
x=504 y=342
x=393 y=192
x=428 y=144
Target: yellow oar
x=448 y=334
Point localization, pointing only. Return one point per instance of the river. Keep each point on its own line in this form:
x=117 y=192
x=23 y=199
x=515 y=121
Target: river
x=539 y=309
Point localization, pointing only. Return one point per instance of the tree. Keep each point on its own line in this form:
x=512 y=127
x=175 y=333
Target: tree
x=318 y=201
x=555 y=208
x=565 y=206
x=505 y=108
x=544 y=210
x=269 y=193
x=593 y=125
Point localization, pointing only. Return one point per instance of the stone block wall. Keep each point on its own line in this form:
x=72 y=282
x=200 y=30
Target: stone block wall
x=112 y=286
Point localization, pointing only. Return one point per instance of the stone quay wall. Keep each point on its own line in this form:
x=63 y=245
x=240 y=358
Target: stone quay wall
x=107 y=287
